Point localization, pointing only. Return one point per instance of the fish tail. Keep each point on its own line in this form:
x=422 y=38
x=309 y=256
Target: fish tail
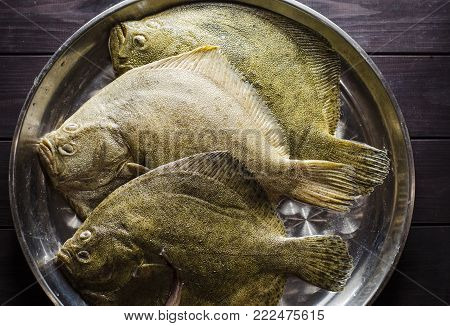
x=371 y=164
x=323 y=261
x=321 y=183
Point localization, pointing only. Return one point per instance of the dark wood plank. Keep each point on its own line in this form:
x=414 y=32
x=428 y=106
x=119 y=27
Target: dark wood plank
x=418 y=83
x=30 y=26
x=18 y=74
x=426 y=253
x=391 y=26
x=432 y=182
x=432 y=166
x=17 y=283
x=422 y=276
x=5 y=211
x=421 y=86
x=388 y=26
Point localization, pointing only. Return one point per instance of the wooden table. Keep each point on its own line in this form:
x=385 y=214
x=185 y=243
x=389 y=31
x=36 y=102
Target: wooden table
x=408 y=39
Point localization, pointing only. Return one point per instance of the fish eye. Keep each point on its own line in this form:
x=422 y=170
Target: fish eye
x=66 y=149
x=139 y=41
x=71 y=127
x=85 y=235
x=83 y=256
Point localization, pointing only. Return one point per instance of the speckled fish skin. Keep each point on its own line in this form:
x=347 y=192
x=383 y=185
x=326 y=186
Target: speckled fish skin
x=213 y=223
x=293 y=68
x=126 y=128
x=114 y=271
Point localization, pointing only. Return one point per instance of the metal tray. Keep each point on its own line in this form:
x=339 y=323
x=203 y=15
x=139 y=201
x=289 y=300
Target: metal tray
x=376 y=228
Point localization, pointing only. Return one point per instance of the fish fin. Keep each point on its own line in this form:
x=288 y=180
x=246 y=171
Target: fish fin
x=151 y=280
x=264 y=290
x=98 y=298
x=371 y=164
x=332 y=115
x=239 y=190
x=328 y=76
x=325 y=67
x=148 y=270
x=81 y=208
x=177 y=284
x=222 y=167
x=323 y=261
x=133 y=170
x=210 y=62
x=175 y=293
x=321 y=183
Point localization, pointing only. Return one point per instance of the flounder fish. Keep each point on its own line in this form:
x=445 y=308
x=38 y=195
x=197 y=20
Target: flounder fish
x=115 y=271
x=209 y=219
x=179 y=106
x=293 y=68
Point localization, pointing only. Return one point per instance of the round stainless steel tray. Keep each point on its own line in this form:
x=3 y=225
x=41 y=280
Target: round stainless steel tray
x=376 y=228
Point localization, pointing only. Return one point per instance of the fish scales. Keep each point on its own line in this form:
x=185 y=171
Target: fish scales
x=221 y=255
x=293 y=68
x=179 y=106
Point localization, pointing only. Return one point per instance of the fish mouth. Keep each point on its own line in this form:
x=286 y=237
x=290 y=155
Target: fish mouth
x=124 y=67
x=64 y=256
x=117 y=37
x=47 y=153
x=117 y=40
x=121 y=31
x=121 y=69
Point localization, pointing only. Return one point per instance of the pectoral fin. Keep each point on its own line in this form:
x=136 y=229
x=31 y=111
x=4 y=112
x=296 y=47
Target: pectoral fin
x=133 y=170
x=99 y=298
x=177 y=286
x=148 y=270
x=175 y=293
x=80 y=207
x=150 y=284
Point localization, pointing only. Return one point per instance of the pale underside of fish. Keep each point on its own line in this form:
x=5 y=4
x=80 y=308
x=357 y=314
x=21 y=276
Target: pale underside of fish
x=293 y=68
x=183 y=105
x=213 y=224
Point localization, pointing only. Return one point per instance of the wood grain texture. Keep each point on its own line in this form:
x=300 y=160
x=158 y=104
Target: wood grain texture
x=30 y=29
x=422 y=276
x=391 y=26
x=432 y=181
x=432 y=166
x=30 y=26
x=419 y=83
x=388 y=26
x=18 y=285
x=5 y=211
x=410 y=285
x=16 y=79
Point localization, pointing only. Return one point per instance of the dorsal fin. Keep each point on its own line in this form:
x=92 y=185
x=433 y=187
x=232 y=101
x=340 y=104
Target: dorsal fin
x=262 y=290
x=211 y=63
x=325 y=66
x=223 y=168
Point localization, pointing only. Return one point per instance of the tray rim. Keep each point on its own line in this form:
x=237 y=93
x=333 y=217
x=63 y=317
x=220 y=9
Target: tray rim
x=111 y=10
